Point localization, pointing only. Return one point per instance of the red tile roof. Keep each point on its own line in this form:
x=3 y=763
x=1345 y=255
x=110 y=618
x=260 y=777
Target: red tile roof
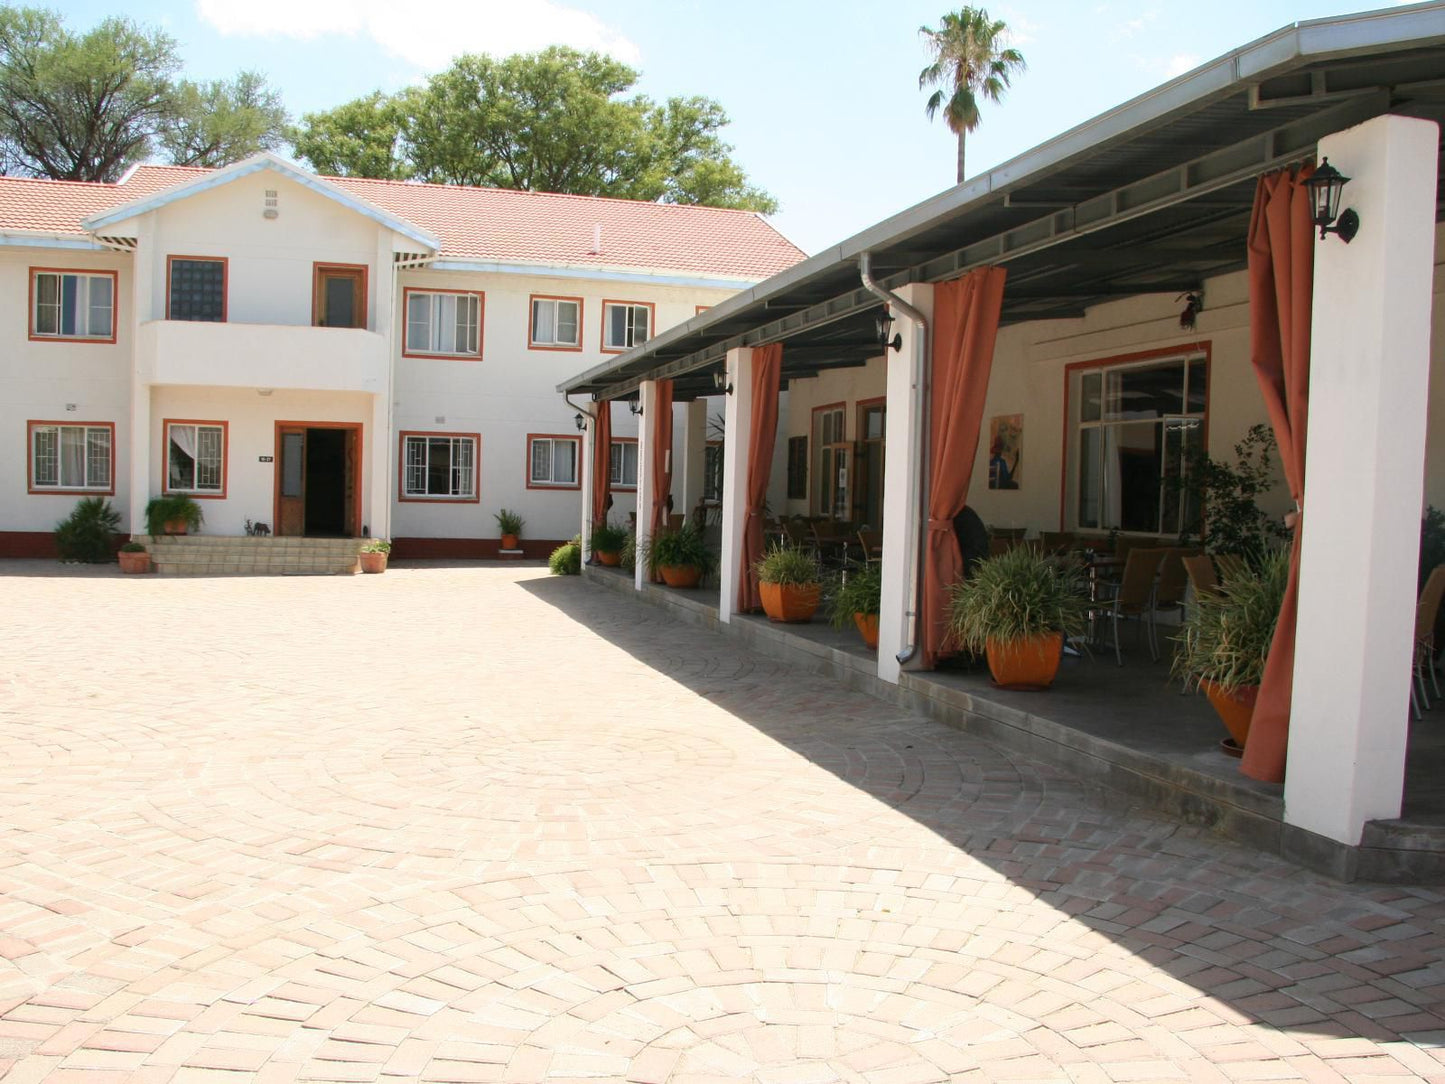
x=483 y=224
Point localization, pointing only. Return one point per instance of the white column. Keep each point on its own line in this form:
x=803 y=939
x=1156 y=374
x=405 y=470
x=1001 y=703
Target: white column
x=738 y=415
x=141 y=438
x=378 y=433
x=903 y=514
x=589 y=438
x=1364 y=476
x=692 y=449
x=646 y=438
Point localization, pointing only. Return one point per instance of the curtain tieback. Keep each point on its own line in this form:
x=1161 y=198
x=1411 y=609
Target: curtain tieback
x=940 y=524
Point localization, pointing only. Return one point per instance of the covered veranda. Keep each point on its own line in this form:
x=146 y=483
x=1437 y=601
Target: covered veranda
x=1099 y=232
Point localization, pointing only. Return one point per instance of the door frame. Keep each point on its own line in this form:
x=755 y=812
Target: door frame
x=356 y=462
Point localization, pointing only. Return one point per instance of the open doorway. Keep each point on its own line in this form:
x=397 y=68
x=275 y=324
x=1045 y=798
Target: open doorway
x=317 y=479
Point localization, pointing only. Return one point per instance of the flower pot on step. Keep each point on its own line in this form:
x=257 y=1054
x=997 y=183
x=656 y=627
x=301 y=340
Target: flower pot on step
x=1235 y=707
x=868 y=629
x=610 y=558
x=793 y=604
x=509 y=542
x=680 y=575
x=1031 y=663
x=133 y=563
x=176 y=526
x=373 y=562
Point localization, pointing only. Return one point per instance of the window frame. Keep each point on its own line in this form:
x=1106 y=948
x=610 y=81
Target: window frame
x=622 y=487
x=1185 y=352
x=198 y=494
x=31 y=425
x=533 y=344
x=407 y=351
x=651 y=308
x=225 y=263
x=793 y=462
x=401 y=494
x=36 y=336
x=817 y=450
x=556 y=438
x=319 y=268
x=707 y=475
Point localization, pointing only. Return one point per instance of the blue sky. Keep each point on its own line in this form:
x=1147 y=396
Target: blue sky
x=826 y=110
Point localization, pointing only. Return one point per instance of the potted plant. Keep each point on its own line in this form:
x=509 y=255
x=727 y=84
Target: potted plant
x=788 y=579
x=856 y=601
x=134 y=557
x=88 y=533
x=681 y=557
x=1016 y=609
x=174 y=513
x=607 y=542
x=373 y=555
x=1223 y=645
x=510 y=525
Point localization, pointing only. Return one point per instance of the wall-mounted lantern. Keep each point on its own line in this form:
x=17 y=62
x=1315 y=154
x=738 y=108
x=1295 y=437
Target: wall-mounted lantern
x=1326 y=187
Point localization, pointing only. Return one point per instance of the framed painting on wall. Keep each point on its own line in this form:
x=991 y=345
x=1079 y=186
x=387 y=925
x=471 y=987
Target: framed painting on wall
x=1005 y=451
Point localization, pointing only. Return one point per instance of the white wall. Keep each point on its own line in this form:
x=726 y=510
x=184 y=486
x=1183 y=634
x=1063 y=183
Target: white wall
x=847 y=386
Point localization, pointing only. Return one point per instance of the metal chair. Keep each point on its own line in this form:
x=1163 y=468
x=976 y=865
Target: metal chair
x=872 y=543
x=1134 y=596
x=1169 y=592
x=1201 y=572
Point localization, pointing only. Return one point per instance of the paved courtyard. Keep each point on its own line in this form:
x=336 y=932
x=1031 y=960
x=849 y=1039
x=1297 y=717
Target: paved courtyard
x=474 y=824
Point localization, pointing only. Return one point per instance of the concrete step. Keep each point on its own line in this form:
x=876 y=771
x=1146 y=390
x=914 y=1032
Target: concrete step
x=229 y=555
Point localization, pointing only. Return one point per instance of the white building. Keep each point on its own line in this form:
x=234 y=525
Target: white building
x=329 y=356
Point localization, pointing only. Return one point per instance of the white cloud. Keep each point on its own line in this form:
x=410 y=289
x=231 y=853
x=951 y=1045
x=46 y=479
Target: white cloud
x=1021 y=29
x=450 y=27
x=1167 y=67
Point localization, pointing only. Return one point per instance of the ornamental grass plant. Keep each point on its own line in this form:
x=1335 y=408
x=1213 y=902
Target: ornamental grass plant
x=1226 y=638
x=1016 y=596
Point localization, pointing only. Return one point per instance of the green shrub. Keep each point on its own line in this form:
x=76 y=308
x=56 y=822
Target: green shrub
x=509 y=522
x=177 y=506
x=859 y=593
x=607 y=538
x=683 y=548
x=133 y=547
x=628 y=559
x=789 y=566
x=1226 y=639
x=376 y=545
x=1015 y=596
x=88 y=533
x=566 y=559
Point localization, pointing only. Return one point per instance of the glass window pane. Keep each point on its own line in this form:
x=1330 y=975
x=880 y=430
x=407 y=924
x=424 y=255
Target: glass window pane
x=1089 y=479
x=462 y=451
x=1146 y=391
x=640 y=328
x=102 y=306
x=1133 y=467
x=198 y=290
x=46 y=457
x=439 y=467
x=293 y=446
x=340 y=300
x=444 y=339
x=208 y=457
x=615 y=464
x=47 y=304
x=567 y=322
x=72 y=456
x=182 y=469
x=97 y=465
x=1198 y=385
x=564 y=466
x=1090 y=406
x=416 y=466
x=418 y=322
x=69 y=303
x=544 y=324
x=617 y=325
x=541 y=460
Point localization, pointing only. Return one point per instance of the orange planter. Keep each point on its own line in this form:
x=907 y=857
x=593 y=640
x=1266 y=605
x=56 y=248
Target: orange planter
x=680 y=575
x=509 y=541
x=1235 y=708
x=373 y=562
x=611 y=558
x=1026 y=664
x=134 y=562
x=177 y=526
x=868 y=628
x=794 y=605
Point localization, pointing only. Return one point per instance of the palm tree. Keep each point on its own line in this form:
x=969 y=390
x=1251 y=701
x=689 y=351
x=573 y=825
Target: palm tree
x=972 y=63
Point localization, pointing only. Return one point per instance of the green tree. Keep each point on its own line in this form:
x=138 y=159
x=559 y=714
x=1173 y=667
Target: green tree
x=214 y=124
x=972 y=63
x=362 y=138
x=554 y=121
x=80 y=107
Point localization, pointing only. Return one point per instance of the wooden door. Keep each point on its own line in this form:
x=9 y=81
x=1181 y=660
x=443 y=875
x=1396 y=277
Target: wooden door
x=353 y=462
x=291 y=481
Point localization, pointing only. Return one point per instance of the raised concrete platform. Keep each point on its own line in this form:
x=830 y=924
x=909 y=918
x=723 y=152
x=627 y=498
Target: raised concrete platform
x=223 y=555
x=1125 y=729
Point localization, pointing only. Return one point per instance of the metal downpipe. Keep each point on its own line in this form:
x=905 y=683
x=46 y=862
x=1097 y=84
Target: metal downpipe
x=919 y=377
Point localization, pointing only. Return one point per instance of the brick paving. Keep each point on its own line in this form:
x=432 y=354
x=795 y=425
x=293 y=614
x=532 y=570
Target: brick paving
x=478 y=824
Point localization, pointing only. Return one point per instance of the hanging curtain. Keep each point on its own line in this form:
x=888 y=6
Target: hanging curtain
x=965 y=325
x=601 y=461
x=767 y=373
x=182 y=471
x=72 y=455
x=661 y=460
x=1281 y=292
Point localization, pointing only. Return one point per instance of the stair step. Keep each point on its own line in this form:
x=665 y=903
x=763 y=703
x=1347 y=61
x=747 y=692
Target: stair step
x=232 y=555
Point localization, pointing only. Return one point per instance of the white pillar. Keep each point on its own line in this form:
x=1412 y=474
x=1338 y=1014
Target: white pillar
x=692 y=449
x=1364 y=475
x=903 y=513
x=141 y=437
x=378 y=434
x=646 y=439
x=738 y=415
x=584 y=518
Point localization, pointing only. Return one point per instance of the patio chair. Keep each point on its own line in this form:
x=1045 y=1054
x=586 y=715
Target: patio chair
x=1202 y=575
x=1230 y=565
x=1427 y=611
x=1056 y=541
x=1133 y=596
x=872 y=543
x=675 y=522
x=997 y=547
x=1170 y=590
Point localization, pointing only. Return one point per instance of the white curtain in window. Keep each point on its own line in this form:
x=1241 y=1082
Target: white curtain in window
x=544 y=321
x=182 y=457
x=564 y=468
x=72 y=456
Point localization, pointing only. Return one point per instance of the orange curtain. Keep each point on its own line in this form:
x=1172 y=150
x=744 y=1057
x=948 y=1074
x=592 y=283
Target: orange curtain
x=767 y=373
x=965 y=325
x=661 y=460
x=601 y=461
x=1281 y=292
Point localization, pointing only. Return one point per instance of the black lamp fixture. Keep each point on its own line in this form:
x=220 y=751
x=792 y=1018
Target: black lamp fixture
x=580 y=420
x=721 y=383
x=635 y=405
x=1326 y=186
x=883 y=324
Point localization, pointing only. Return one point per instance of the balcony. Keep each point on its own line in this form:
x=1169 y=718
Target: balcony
x=262 y=356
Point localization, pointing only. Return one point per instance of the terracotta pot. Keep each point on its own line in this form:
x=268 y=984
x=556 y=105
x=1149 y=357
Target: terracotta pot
x=373 y=562
x=1235 y=707
x=680 y=575
x=509 y=541
x=794 y=605
x=176 y=526
x=611 y=558
x=134 y=562
x=868 y=628
x=1031 y=663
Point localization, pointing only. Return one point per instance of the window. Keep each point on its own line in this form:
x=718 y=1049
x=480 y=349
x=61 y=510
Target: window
x=1134 y=425
x=338 y=295
x=712 y=471
x=624 y=464
x=556 y=323
x=831 y=463
x=443 y=324
x=196 y=458
x=439 y=466
x=625 y=324
x=72 y=458
x=797 y=468
x=553 y=461
x=197 y=289
x=71 y=305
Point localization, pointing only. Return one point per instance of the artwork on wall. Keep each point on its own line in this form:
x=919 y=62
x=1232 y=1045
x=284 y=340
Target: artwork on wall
x=1005 y=451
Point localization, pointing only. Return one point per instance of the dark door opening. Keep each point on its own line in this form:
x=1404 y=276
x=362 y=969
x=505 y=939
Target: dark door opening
x=326 y=472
